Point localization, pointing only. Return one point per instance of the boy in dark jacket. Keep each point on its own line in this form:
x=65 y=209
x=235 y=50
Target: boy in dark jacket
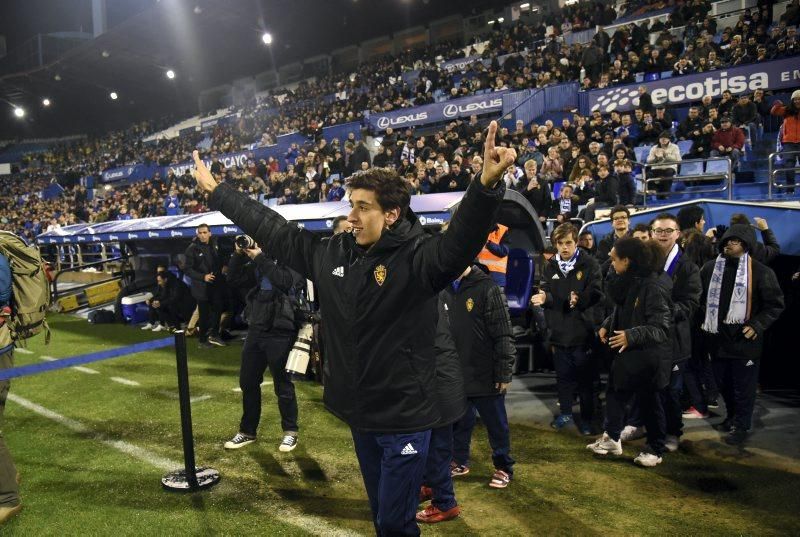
x=378 y=289
x=686 y=289
x=741 y=299
x=482 y=332
x=571 y=286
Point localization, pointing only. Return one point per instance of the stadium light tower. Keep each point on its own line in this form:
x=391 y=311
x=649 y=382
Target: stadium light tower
x=45 y=102
x=170 y=74
x=267 y=38
x=19 y=112
x=113 y=95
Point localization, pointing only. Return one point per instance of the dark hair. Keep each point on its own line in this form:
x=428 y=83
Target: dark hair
x=619 y=209
x=390 y=189
x=586 y=232
x=564 y=230
x=689 y=216
x=336 y=221
x=739 y=218
x=203 y=226
x=666 y=216
x=645 y=256
x=641 y=227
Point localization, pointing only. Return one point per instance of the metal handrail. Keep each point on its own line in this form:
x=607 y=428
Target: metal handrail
x=705 y=177
x=771 y=171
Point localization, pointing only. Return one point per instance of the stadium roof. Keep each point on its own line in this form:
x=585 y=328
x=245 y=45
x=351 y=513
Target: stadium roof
x=206 y=42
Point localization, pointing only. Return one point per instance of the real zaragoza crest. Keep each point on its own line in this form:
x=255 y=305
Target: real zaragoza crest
x=380 y=274
x=470 y=304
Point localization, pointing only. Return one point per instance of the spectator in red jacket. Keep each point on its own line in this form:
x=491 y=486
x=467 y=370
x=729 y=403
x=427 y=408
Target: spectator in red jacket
x=790 y=135
x=728 y=141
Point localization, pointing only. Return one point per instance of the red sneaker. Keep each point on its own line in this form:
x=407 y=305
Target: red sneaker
x=425 y=494
x=432 y=515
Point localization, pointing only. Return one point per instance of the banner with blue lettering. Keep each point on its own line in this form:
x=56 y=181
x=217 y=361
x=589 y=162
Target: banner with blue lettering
x=772 y=75
x=437 y=112
x=129 y=173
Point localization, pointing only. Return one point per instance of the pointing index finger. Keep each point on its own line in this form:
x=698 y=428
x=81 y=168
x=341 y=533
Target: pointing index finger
x=490 y=138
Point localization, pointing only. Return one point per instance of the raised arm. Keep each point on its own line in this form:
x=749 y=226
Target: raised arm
x=296 y=248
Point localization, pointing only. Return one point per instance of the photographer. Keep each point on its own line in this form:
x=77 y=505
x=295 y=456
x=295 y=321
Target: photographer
x=204 y=267
x=271 y=333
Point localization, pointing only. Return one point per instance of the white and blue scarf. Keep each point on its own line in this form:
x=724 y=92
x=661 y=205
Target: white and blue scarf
x=739 y=310
x=567 y=266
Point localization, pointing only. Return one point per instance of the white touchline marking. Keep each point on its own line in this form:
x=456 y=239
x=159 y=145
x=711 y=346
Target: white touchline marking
x=120 y=445
x=23 y=351
x=173 y=395
x=76 y=368
x=125 y=381
x=265 y=383
x=313 y=524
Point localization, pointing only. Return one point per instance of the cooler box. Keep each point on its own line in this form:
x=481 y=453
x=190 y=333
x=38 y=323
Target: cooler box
x=135 y=309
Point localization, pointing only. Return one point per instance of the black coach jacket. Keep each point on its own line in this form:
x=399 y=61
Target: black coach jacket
x=379 y=305
x=482 y=331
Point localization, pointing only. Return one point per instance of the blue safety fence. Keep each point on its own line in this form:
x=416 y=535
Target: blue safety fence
x=32 y=369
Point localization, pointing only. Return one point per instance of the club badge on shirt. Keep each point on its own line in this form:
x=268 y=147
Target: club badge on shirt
x=380 y=274
x=470 y=304
x=579 y=275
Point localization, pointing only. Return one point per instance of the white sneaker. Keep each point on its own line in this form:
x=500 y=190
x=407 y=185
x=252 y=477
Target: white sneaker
x=631 y=432
x=239 y=440
x=671 y=443
x=288 y=443
x=647 y=459
x=149 y=326
x=160 y=327
x=604 y=445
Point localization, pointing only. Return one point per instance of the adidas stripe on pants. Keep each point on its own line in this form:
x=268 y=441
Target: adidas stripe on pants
x=392 y=466
x=737 y=379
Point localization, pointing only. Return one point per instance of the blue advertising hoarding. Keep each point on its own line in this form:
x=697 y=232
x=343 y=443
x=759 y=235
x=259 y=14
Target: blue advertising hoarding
x=438 y=112
x=772 y=75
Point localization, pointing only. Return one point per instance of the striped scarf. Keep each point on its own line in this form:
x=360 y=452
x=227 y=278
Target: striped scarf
x=741 y=298
x=567 y=266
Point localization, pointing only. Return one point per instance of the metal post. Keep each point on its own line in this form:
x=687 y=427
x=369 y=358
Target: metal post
x=770 y=171
x=191 y=478
x=644 y=182
x=730 y=180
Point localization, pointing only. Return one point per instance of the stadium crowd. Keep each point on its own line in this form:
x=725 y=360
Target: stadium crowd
x=592 y=156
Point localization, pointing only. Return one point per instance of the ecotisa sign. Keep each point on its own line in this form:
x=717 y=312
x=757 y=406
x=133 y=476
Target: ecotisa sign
x=772 y=75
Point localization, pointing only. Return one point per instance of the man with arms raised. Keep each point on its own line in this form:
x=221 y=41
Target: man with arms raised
x=378 y=287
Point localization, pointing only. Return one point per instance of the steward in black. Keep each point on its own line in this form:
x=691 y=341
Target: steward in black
x=379 y=304
x=571 y=327
x=202 y=259
x=482 y=332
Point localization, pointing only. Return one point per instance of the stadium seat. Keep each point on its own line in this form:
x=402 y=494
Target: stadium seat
x=641 y=153
x=639 y=77
x=652 y=77
x=691 y=168
x=685 y=146
x=716 y=166
x=557 y=189
x=666 y=74
x=519 y=280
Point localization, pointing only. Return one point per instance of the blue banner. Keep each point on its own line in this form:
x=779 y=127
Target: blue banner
x=438 y=112
x=130 y=173
x=772 y=75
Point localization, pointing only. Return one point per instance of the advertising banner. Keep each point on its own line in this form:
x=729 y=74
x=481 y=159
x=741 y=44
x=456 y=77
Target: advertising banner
x=438 y=112
x=772 y=75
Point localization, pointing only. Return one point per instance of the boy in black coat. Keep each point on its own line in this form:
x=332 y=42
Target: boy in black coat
x=741 y=299
x=571 y=287
x=481 y=328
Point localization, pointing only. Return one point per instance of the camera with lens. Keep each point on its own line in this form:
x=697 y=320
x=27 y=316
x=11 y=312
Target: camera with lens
x=245 y=242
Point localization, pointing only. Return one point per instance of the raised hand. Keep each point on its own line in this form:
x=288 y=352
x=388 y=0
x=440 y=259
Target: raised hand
x=202 y=175
x=495 y=159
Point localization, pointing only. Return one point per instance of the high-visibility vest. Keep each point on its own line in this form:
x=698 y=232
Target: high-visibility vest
x=487 y=258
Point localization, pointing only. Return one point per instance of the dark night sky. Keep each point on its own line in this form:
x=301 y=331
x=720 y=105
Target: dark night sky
x=207 y=49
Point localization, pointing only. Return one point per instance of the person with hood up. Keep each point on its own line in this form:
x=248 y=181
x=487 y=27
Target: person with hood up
x=639 y=331
x=741 y=298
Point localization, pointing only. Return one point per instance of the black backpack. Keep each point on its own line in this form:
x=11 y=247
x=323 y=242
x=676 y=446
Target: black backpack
x=102 y=317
